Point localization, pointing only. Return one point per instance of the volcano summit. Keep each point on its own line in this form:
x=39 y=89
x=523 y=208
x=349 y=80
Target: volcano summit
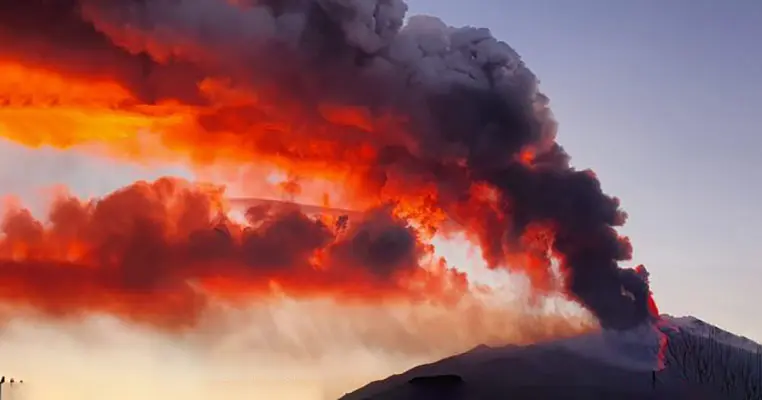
x=701 y=362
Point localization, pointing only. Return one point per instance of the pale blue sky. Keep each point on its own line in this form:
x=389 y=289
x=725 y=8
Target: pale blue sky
x=663 y=99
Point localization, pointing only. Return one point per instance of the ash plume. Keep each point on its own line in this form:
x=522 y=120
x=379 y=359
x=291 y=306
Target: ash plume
x=406 y=109
x=157 y=253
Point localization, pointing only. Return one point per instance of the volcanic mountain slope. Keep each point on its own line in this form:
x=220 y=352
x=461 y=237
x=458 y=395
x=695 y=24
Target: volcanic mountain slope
x=700 y=361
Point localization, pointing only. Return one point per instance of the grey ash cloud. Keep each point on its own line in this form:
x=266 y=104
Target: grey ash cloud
x=471 y=105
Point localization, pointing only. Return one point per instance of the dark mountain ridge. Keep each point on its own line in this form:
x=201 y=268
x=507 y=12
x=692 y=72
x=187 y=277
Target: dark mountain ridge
x=699 y=361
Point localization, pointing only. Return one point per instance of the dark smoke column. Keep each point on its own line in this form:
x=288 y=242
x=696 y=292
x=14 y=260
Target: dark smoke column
x=471 y=108
x=481 y=110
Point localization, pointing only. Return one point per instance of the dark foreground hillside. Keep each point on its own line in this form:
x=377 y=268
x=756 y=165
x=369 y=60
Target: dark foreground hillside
x=702 y=362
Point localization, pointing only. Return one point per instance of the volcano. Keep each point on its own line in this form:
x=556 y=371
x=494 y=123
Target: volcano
x=426 y=130
x=701 y=361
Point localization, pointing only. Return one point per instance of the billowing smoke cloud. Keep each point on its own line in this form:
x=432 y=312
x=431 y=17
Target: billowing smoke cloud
x=346 y=89
x=158 y=252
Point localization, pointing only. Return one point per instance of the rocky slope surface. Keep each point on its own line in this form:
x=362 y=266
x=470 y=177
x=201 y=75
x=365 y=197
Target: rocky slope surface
x=697 y=361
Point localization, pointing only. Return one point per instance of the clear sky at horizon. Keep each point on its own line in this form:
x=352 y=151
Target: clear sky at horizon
x=663 y=99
